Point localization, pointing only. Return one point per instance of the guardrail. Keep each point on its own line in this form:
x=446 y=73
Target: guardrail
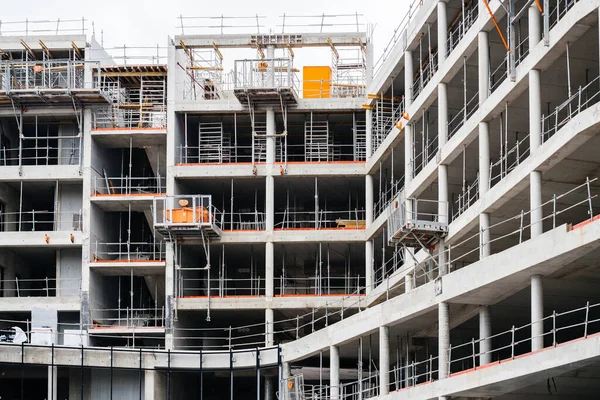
x=117 y=118
x=40 y=220
x=127 y=251
x=352 y=219
x=128 y=317
x=44 y=287
x=125 y=185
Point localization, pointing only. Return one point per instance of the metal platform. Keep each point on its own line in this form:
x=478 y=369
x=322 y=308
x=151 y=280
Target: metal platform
x=415 y=223
x=187 y=217
x=53 y=96
x=266 y=96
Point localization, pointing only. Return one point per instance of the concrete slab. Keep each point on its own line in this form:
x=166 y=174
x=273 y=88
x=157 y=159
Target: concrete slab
x=63 y=173
x=483 y=282
x=26 y=304
x=49 y=239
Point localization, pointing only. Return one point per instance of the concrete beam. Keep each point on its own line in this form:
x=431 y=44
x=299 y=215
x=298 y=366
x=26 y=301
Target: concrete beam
x=227 y=106
x=63 y=173
x=290 y=302
x=26 y=304
x=246 y=40
x=39 y=239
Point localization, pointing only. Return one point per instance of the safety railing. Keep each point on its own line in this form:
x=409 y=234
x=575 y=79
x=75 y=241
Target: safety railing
x=425 y=74
x=118 y=118
x=428 y=150
x=466 y=198
x=227 y=337
x=222 y=287
x=385 y=113
x=558 y=9
x=42 y=287
x=584 y=98
x=462 y=24
x=414 y=373
x=42 y=75
x=409 y=214
x=40 y=220
x=265 y=73
x=365 y=387
x=244 y=221
x=128 y=317
x=317 y=285
x=127 y=251
x=323 y=152
x=125 y=185
x=556 y=328
x=499 y=74
x=43 y=27
x=413 y=8
x=227 y=154
x=321 y=219
x=50 y=154
x=386 y=196
x=509 y=160
x=463 y=115
x=389 y=266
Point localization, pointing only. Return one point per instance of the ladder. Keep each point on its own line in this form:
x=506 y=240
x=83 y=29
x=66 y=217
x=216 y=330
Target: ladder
x=316 y=140
x=210 y=142
x=360 y=140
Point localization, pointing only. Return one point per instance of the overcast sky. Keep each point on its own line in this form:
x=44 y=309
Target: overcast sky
x=150 y=22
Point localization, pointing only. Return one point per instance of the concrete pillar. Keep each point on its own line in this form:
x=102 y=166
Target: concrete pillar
x=369 y=63
x=368 y=244
x=334 y=372
x=269 y=327
x=269 y=392
x=52 y=383
x=155 y=385
x=408 y=279
x=442 y=31
x=535 y=25
x=384 y=360
x=484 y=185
x=535 y=141
x=270 y=57
x=443 y=215
x=368 y=266
x=369 y=133
x=483 y=60
x=443 y=339
x=442 y=115
x=408 y=78
x=537 y=313
x=286 y=370
x=169 y=293
x=485 y=331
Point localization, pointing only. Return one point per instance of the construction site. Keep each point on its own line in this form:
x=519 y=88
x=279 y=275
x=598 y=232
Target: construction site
x=278 y=211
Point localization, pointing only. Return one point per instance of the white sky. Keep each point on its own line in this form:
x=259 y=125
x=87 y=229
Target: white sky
x=150 y=22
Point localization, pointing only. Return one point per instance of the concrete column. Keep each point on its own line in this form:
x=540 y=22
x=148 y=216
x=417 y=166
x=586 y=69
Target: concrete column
x=155 y=385
x=483 y=60
x=368 y=266
x=443 y=215
x=285 y=374
x=537 y=313
x=369 y=199
x=408 y=78
x=269 y=392
x=485 y=331
x=334 y=372
x=442 y=31
x=408 y=280
x=269 y=327
x=535 y=25
x=442 y=115
x=484 y=179
x=270 y=57
x=52 y=383
x=369 y=64
x=535 y=141
x=369 y=133
x=286 y=370
x=443 y=339
x=169 y=293
x=384 y=360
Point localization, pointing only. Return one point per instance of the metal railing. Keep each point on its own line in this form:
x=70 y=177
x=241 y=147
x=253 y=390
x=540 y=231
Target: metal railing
x=127 y=251
x=265 y=73
x=42 y=287
x=40 y=220
x=411 y=213
x=45 y=75
x=50 y=154
x=128 y=317
x=125 y=185
x=385 y=113
x=424 y=75
x=463 y=115
x=462 y=25
x=510 y=160
x=43 y=27
x=584 y=98
x=117 y=118
x=321 y=219
x=386 y=196
x=317 y=285
x=244 y=221
x=428 y=151
x=468 y=196
x=222 y=287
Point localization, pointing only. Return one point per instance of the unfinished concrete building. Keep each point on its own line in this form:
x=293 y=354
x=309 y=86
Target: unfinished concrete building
x=243 y=214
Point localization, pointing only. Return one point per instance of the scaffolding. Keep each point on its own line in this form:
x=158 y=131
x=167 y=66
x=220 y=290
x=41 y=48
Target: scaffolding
x=204 y=77
x=416 y=222
x=317 y=144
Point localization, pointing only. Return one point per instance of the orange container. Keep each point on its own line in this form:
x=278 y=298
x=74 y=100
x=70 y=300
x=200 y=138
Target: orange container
x=316 y=82
x=185 y=215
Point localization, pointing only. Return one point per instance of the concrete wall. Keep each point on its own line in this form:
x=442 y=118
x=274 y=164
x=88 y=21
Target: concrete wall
x=70 y=204
x=68 y=148
x=10 y=198
x=69 y=272
x=11 y=264
x=125 y=384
